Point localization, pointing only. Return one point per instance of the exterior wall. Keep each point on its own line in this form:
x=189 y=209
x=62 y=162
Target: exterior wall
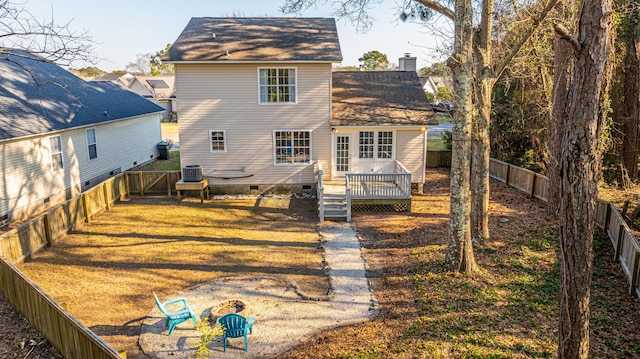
x=29 y=185
x=225 y=97
x=408 y=149
x=140 y=89
x=410 y=152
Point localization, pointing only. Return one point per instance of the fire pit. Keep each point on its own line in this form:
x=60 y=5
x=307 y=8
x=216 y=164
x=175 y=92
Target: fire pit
x=236 y=306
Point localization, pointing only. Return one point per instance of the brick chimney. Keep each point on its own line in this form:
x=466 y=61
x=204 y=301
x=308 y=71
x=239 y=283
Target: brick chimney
x=407 y=63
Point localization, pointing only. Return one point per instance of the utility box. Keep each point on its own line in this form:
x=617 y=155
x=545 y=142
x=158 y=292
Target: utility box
x=163 y=149
x=192 y=173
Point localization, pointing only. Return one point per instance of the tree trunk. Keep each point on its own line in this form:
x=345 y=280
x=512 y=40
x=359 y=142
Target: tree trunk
x=631 y=105
x=460 y=250
x=480 y=145
x=579 y=172
x=562 y=70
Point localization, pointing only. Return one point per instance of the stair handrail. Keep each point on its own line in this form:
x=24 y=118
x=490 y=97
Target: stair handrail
x=320 y=193
x=347 y=192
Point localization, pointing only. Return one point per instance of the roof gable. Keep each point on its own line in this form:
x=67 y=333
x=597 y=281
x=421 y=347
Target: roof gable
x=38 y=97
x=379 y=98
x=257 y=39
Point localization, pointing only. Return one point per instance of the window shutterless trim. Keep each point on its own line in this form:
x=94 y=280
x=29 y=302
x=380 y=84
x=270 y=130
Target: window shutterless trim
x=295 y=86
x=95 y=143
x=52 y=153
x=224 y=141
x=292 y=147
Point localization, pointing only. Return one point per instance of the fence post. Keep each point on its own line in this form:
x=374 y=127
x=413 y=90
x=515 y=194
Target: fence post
x=533 y=185
x=619 y=241
x=106 y=196
x=85 y=209
x=140 y=184
x=506 y=179
x=634 y=273
x=126 y=182
x=607 y=217
x=47 y=229
x=168 y=184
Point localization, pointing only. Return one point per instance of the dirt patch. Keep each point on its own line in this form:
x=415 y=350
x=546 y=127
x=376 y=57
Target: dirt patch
x=19 y=340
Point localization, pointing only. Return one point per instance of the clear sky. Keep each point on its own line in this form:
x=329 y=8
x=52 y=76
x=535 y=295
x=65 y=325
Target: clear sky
x=123 y=29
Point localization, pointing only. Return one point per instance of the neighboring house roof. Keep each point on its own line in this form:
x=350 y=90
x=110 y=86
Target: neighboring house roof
x=157 y=87
x=120 y=79
x=38 y=97
x=436 y=82
x=257 y=39
x=379 y=98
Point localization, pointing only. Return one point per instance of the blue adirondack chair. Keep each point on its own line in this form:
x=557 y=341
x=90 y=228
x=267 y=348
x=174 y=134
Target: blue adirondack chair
x=175 y=318
x=236 y=326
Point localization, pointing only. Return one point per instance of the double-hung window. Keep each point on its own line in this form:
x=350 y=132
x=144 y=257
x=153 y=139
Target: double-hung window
x=277 y=85
x=218 y=139
x=375 y=144
x=92 y=146
x=292 y=147
x=55 y=149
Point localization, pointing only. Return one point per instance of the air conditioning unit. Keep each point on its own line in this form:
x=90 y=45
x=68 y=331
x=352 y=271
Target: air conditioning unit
x=192 y=173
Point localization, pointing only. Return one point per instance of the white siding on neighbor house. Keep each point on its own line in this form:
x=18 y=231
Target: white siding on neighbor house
x=27 y=179
x=225 y=97
x=410 y=152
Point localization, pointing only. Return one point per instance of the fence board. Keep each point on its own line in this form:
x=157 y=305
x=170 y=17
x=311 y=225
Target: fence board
x=498 y=170
x=616 y=222
x=437 y=159
x=541 y=187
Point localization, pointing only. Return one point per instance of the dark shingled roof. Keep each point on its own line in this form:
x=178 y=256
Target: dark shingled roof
x=379 y=98
x=257 y=39
x=57 y=99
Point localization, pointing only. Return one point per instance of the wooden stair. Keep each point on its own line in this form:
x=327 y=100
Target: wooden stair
x=335 y=207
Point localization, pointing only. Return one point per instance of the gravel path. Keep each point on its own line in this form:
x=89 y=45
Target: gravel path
x=284 y=316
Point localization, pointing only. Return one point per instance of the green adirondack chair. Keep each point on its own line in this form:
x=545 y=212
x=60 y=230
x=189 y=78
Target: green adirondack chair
x=236 y=326
x=177 y=317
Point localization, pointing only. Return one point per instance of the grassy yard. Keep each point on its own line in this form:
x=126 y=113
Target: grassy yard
x=169 y=128
x=435 y=143
x=173 y=163
x=105 y=272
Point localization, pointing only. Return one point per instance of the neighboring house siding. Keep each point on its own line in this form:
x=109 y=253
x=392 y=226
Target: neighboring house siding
x=119 y=145
x=225 y=97
x=410 y=152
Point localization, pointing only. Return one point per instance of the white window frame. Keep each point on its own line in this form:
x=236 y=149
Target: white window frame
x=292 y=163
x=224 y=141
x=376 y=145
x=52 y=153
x=95 y=143
x=295 y=86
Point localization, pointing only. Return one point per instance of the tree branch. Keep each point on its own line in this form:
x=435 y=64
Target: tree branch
x=537 y=21
x=438 y=7
x=565 y=34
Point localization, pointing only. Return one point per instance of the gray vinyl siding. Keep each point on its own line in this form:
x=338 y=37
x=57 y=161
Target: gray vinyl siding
x=225 y=97
x=410 y=152
x=27 y=179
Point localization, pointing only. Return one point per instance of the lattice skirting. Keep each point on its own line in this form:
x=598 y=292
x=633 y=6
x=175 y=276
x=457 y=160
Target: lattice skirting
x=400 y=205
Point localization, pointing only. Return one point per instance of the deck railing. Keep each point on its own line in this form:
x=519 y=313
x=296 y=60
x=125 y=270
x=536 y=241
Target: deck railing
x=381 y=185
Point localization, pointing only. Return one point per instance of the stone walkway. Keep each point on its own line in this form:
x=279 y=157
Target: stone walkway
x=284 y=316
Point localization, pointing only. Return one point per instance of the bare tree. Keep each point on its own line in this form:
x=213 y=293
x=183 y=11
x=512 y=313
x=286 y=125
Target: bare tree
x=486 y=72
x=20 y=30
x=141 y=66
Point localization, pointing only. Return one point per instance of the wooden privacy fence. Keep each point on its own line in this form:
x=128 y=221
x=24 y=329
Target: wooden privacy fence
x=438 y=159
x=153 y=182
x=72 y=338
x=65 y=332
x=627 y=249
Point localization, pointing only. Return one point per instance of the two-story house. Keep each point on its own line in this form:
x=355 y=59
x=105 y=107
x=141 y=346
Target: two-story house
x=260 y=107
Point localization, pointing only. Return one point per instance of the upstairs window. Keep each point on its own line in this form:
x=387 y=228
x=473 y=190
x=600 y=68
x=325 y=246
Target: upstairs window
x=55 y=148
x=92 y=147
x=277 y=85
x=292 y=147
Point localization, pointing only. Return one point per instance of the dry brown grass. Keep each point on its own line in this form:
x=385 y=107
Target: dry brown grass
x=104 y=272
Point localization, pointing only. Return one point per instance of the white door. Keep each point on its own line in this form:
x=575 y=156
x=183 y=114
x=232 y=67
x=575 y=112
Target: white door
x=343 y=155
